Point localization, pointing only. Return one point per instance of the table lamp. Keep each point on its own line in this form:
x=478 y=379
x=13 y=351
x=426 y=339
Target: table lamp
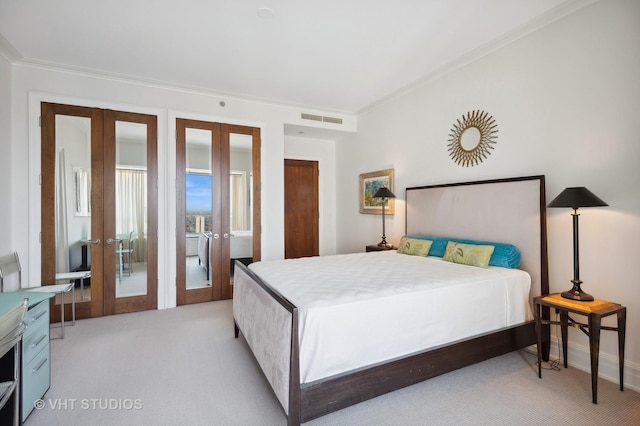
x=576 y=197
x=384 y=194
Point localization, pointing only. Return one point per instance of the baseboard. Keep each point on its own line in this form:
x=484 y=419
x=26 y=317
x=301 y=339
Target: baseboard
x=580 y=358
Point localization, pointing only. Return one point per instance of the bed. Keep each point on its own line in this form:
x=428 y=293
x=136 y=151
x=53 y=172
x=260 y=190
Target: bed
x=301 y=336
x=241 y=244
x=241 y=248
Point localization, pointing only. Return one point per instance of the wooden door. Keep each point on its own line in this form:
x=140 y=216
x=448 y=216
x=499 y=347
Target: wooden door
x=81 y=148
x=72 y=135
x=301 y=208
x=205 y=230
x=131 y=212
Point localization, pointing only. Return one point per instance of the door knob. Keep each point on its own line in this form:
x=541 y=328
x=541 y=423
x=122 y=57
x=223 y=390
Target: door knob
x=225 y=235
x=216 y=236
x=111 y=241
x=93 y=241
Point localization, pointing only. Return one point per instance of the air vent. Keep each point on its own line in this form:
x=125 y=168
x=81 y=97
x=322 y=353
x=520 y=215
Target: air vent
x=315 y=117
x=332 y=120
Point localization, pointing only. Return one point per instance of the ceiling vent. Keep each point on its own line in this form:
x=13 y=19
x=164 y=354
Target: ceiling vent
x=332 y=120
x=315 y=117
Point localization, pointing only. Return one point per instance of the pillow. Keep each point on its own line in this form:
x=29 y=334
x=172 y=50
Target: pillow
x=414 y=246
x=468 y=254
x=504 y=255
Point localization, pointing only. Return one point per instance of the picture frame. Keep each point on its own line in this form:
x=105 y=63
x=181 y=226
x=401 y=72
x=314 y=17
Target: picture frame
x=369 y=184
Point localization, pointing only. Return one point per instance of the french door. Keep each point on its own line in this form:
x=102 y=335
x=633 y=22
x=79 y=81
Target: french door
x=217 y=206
x=99 y=207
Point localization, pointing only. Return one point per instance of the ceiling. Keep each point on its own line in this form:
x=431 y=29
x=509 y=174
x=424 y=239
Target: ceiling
x=331 y=55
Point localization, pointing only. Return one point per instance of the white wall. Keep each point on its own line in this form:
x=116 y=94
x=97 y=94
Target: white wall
x=566 y=99
x=32 y=85
x=5 y=155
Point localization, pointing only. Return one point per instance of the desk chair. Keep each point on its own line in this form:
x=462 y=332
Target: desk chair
x=9 y=264
x=126 y=251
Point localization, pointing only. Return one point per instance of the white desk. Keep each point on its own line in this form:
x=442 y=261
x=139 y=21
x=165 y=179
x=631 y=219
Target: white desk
x=59 y=289
x=72 y=276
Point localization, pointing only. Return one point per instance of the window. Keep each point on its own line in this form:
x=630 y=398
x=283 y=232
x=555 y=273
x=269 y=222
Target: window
x=198 y=200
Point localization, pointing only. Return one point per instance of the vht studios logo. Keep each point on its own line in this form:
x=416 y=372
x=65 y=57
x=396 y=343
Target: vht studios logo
x=89 y=404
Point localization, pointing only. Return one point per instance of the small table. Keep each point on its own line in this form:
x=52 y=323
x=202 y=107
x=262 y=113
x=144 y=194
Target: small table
x=72 y=276
x=59 y=289
x=375 y=247
x=594 y=311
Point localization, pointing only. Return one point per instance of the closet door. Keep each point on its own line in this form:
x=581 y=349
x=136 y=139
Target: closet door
x=72 y=209
x=217 y=206
x=198 y=209
x=99 y=207
x=130 y=212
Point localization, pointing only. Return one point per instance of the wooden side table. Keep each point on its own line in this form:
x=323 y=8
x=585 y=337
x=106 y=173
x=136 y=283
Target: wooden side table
x=594 y=311
x=375 y=247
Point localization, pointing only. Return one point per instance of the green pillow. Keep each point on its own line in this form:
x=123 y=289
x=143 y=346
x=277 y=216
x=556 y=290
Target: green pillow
x=468 y=254
x=414 y=246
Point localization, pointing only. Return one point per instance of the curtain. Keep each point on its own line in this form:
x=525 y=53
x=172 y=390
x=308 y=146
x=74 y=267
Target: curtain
x=237 y=202
x=131 y=209
x=83 y=191
x=61 y=231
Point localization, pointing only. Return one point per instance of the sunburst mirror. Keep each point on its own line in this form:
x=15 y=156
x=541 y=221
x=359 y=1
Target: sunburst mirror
x=472 y=138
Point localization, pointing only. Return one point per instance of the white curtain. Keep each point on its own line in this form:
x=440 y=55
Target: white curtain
x=131 y=209
x=61 y=231
x=238 y=201
x=83 y=191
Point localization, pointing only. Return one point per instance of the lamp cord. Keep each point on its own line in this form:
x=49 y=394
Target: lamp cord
x=555 y=364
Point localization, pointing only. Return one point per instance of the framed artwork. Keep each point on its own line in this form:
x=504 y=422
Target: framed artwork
x=369 y=184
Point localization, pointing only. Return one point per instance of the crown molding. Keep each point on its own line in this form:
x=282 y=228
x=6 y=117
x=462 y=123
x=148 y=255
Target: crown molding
x=8 y=51
x=568 y=8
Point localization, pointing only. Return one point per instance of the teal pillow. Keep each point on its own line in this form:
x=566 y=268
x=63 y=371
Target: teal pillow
x=504 y=255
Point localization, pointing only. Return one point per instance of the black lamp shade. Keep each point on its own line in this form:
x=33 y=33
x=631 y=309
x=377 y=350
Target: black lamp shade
x=383 y=192
x=577 y=197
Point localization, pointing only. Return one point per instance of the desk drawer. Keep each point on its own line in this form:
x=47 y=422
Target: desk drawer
x=35 y=380
x=33 y=344
x=36 y=316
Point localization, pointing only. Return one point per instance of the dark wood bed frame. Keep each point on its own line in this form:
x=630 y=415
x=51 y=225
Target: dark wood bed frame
x=308 y=401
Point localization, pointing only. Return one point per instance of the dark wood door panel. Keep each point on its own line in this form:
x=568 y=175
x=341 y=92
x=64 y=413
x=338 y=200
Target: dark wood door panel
x=301 y=208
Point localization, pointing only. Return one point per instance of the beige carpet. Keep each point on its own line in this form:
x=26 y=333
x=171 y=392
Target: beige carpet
x=183 y=366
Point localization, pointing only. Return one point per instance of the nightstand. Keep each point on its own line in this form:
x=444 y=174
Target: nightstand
x=376 y=247
x=594 y=311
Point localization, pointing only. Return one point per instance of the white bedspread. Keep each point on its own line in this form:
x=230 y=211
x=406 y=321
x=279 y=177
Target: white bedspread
x=362 y=308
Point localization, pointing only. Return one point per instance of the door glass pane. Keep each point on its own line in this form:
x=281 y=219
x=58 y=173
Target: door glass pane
x=240 y=198
x=73 y=203
x=198 y=208
x=131 y=209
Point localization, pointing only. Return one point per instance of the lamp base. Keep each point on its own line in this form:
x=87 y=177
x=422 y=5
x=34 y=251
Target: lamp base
x=576 y=293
